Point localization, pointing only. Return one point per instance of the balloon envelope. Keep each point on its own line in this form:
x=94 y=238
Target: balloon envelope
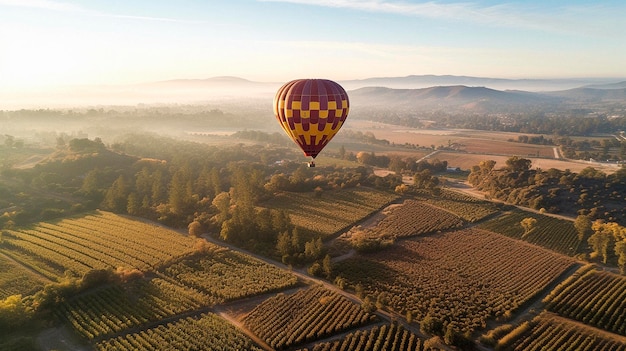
x=311 y=111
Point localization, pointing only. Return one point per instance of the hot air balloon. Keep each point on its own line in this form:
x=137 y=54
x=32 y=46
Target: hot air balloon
x=311 y=111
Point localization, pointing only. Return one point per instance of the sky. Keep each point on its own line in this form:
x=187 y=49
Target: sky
x=49 y=43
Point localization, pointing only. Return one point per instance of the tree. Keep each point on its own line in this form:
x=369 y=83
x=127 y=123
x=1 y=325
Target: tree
x=116 y=197
x=296 y=241
x=222 y=204
x=180 y=191
x=620 y=251
x=134 y=205
x=283 y=245
x=278 y=182
x=409 y=316
x=583 y=226
x=313 y=249
x=431 y=325
x=601 y=241
x=528 y=224
x=281 y=221
x=91 y=186
x=342 y=152
x=327 y=266
x=518 y=164
x=195 y=229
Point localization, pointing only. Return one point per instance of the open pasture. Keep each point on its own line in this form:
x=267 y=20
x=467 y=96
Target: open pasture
x=467 y=276
x=465 y=161
x=495 y=146
x=475 y=146
x=473 y=141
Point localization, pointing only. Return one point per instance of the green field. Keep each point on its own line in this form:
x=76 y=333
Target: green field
x=332 y=211
x=549 y=232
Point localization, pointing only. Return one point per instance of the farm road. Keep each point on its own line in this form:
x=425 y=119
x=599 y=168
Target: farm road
x=384 y=315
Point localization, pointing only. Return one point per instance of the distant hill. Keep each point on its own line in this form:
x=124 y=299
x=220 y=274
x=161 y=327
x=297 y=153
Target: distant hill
x=457 y=96
x=424 y=81
x=592 y=94
x=479 y=92
x=619 y=85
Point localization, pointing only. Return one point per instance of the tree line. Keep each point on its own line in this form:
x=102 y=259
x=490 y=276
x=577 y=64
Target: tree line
x=589 y=192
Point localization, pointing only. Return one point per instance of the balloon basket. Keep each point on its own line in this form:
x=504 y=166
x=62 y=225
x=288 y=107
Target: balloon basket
x=311 y=164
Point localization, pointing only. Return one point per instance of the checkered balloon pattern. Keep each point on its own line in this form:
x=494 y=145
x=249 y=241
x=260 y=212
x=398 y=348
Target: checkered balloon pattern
x=311 y=111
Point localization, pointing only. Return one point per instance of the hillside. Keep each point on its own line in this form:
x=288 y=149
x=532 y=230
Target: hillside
x=228 y=89
x=450 y=96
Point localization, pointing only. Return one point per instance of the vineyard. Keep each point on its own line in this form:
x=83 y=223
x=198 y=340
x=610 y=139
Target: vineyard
x=226 y=275
x=206 y=332
x=284 y=321
x=467 y=207
x=15 y=280
x=192 y=283
x=596 y=298
x=333 y=211
x=414 y=218
x=112 y=309
x=96 y=241
x=549 y=332
x=549 y=232
x=466 y=277
x=388 y=337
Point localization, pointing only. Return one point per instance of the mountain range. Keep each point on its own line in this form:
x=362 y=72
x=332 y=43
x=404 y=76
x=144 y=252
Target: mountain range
x=415 y=90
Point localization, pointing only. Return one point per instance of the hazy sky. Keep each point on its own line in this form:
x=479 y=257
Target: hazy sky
x=66 y=42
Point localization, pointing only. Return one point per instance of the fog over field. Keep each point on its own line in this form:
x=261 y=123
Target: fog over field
x=400 y=90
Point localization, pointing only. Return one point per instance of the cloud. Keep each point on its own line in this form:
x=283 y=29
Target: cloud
x=566 y=19
x=430 y=9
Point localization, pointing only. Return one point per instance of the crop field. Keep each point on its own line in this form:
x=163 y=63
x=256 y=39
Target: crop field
x=387 y=337
x=284 y=321
x=187 y=285
x=333 y=211
x=475 y=146
x=226 y=275
x=550 y=332
x=113 y=309
x=469 y=208
x=466 y=277
x=596 y=298
x=96 y=241
x=205 y=332
x=414 y=218
x=549 y=232
x=472 y=141
x=15 y=279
